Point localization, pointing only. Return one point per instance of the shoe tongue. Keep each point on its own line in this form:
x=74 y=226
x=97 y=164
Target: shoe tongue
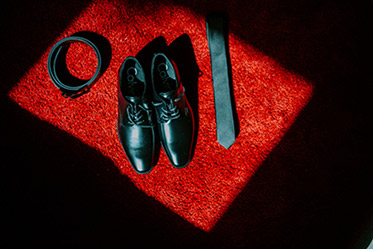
x=134 y=99
x=167 y=95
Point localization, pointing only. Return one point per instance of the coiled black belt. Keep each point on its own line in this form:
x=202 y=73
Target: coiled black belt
x=69 y=85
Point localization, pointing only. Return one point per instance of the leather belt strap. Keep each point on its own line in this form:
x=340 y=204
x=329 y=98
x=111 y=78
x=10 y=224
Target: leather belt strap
x=217 y=36
x=69 y=85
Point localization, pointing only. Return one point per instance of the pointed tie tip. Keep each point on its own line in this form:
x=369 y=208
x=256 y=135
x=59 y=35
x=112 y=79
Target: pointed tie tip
x=226 y=143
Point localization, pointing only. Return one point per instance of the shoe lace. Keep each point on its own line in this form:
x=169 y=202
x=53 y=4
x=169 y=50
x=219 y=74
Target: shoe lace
x=135 y=114
x=170 y=111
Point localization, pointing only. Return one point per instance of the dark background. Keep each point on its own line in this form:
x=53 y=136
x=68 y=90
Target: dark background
x=60 y=193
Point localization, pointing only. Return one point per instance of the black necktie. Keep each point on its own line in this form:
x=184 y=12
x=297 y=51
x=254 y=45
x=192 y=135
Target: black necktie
x=217 y=38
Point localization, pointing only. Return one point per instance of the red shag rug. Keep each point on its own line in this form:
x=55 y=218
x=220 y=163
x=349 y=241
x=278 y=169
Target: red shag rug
x=268 y=97
x=272 y=85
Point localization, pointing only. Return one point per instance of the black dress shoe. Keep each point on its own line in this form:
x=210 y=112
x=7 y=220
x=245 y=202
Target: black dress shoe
x=136 y=121
x=174 y=115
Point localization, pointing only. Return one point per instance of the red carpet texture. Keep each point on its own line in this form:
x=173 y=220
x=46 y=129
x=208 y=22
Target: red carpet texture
x=292 y=175
x=268 y=97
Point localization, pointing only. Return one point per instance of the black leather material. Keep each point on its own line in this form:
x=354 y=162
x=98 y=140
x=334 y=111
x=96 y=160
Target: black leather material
x=174 y=115
x=136 y=120
x=69 y=85
x=217 y=36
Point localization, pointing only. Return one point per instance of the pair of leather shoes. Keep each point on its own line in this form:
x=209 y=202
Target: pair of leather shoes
x=153 y=113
